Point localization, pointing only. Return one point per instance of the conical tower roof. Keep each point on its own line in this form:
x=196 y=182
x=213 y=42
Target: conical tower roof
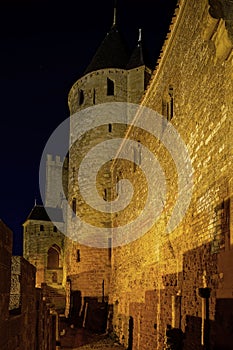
x=39 y=212
x=137 y=57
x=112 y=53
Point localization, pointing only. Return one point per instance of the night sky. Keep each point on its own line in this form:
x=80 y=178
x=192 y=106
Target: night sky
x=45 y=47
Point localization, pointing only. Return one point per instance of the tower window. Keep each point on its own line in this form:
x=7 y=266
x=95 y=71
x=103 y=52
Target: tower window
x=117 y=186
x=105 y=194
x=168 y=104
x=139 y=153
x=54 y=229
x=94 y=96
x=41 y=227
x=80 y=97
x=74 y=206
x=78 y=255
x=109 y=127
x=109 y=249
x=171 y=103
x=110 y=87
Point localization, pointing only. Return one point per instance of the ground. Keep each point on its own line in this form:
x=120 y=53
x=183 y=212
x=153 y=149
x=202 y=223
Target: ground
x=105 y=344
x=80 y=339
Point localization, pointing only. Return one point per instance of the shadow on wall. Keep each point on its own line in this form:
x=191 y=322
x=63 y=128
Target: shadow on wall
x=130 y=340
x=88 y=312
x=222 y=328
x=197 y=303
x=54 y=296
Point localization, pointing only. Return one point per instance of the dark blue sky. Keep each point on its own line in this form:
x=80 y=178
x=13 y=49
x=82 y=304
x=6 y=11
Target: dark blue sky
x=45 y=47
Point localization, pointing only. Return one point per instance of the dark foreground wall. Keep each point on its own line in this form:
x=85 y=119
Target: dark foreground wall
x=25 y=320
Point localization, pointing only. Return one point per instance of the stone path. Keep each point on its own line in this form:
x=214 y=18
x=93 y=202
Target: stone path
x=81 y=339
x=105 y=344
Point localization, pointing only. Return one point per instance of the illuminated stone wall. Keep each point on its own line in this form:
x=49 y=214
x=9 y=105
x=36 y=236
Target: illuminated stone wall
x=87 y=267
x=39 y=236
x=156 y=279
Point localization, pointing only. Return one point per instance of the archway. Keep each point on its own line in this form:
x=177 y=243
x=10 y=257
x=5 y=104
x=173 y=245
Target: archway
x=53 y=257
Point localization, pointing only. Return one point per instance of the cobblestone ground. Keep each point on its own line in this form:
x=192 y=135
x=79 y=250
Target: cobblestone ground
x=105 y=344
x=80 y=339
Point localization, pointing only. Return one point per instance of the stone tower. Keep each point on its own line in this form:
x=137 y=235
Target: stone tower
x=113 y=75
x=44 y=248
x=84 y=272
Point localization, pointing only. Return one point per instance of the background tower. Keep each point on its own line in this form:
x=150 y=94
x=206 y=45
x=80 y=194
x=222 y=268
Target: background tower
x=44 y=248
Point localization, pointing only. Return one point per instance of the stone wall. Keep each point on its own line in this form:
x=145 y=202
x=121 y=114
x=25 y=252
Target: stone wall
x=5 y=268
x=157 y=279
x=25 y=320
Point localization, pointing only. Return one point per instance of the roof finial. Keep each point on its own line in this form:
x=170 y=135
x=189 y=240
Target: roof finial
x=115 y=13
x=140 y=35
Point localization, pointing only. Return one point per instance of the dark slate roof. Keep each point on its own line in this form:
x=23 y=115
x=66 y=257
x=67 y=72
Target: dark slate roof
x=112 y=53
x=39 y=213
x=137 y=58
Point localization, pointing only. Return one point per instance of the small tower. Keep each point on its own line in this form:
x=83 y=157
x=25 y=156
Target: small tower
x=44 y=248
x=138 y=72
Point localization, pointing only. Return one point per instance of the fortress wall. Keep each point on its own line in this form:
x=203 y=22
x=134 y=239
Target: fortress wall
x=197 y=64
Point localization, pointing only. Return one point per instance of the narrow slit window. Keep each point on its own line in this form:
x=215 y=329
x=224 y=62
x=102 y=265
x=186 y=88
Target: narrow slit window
x=139 y=153
x=110 y=87
x=81 y=97
x=117 y=186
x=74 y=206
x=41 y=227
x=168 y=104
x=171 y=103
x=78 y=255
x=109 y=127
x=109 y=249
x=94 y=96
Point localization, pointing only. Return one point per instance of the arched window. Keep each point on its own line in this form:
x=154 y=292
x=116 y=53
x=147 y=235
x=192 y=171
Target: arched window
x=53 y=257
